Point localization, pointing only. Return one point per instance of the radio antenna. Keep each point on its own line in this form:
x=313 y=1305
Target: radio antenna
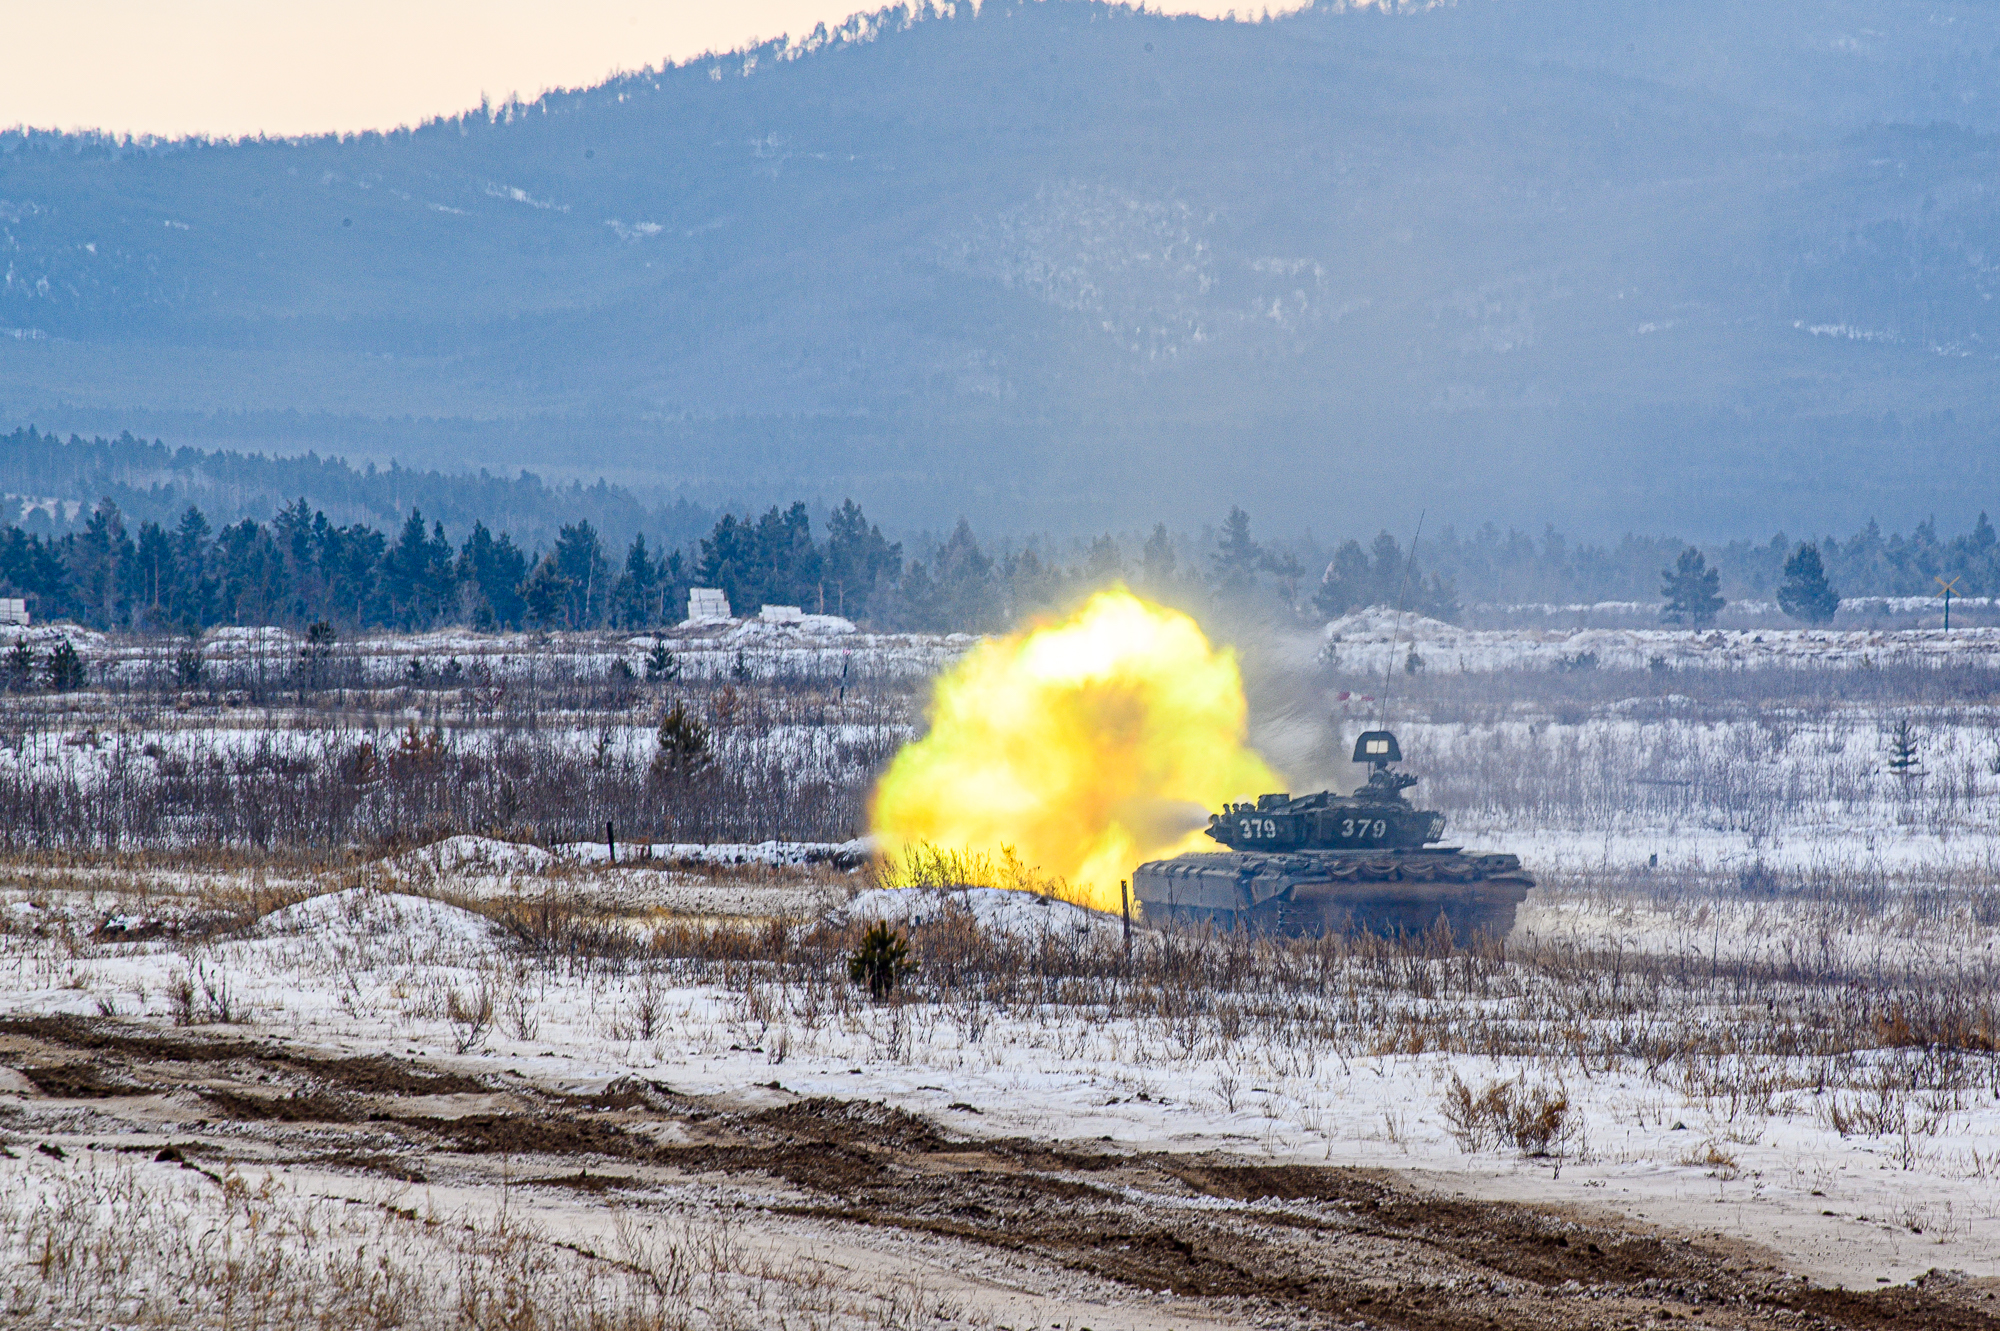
x=1402 y=599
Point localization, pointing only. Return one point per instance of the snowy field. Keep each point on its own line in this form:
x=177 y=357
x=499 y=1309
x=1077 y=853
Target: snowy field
x=1753 y=1003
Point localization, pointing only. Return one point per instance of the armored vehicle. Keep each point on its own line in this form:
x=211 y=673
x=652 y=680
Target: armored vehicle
x=1333 y=863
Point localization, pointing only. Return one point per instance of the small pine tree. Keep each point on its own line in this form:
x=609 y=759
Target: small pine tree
x=189 y=667
x=19 y=668
x=1903 y=749
x=661 y=665
x=65 y=668
x=318 y=650
x=1690 y=587
x=881 y=962
x=418 y=753
x=1806 y=594
x=682 y=740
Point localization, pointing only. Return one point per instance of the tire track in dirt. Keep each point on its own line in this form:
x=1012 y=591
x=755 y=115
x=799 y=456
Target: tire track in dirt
x=1290 y=1240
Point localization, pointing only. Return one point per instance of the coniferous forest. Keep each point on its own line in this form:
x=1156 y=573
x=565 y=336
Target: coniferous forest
x=544 y=559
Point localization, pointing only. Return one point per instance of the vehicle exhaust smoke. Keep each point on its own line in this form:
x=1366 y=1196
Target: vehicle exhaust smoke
x=1085 y=747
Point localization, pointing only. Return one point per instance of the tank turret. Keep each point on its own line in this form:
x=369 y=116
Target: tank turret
x=1309 y=863
x=1374 y=816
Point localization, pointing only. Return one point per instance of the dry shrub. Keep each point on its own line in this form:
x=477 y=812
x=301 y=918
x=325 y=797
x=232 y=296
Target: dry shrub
x=1712 y=1157
x=200 y=995
x=1533 y=1119
x=924 y=865
x=470 y=1016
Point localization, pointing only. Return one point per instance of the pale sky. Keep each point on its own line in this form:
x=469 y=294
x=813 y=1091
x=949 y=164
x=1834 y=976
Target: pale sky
x=233 y=67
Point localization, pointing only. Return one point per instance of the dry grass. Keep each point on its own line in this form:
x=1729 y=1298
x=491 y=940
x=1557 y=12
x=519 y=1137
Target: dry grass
x=1535 y=1120
x=1914 y=1037
x=939 y=868
x=546 y=750
x=1842 y=991
x=95 y=1243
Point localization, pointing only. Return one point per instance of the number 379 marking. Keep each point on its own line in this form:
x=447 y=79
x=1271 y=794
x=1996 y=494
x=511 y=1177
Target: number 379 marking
x=1350 y=827
x=1253 y=828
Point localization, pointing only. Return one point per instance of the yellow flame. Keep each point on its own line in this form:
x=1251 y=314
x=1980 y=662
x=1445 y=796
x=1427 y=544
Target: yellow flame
x=1085 y=747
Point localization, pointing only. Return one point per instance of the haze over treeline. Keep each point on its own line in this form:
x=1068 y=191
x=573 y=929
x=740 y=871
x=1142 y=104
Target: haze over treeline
x=1714 y=267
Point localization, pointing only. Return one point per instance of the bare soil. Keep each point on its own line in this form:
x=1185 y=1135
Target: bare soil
x=1242 y=1244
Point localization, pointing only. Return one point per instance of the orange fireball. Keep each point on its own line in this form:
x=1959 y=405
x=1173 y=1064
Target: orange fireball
x=1085 y=748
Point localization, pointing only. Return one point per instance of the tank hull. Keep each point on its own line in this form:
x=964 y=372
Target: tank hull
x=1387 y=892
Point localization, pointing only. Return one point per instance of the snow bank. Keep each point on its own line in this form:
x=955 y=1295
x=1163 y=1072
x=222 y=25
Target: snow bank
x=787 y=630
x=234 y=642
x=474 y=856
x=1368 y=640
x=1017 y=914
x=839 y=854
x=360 y=912
x=88 y=642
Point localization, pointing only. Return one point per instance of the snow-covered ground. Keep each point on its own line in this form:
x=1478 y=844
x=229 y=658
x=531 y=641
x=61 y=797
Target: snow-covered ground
x=1754 y=1143
x=1856 y=612
x=820 y=646
x=1367 y=639
x=1792 y=910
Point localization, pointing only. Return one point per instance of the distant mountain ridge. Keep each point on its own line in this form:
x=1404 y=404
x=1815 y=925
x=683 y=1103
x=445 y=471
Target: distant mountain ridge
x=150 y=482
x=1067 y=266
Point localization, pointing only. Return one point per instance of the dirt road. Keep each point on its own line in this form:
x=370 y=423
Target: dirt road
x=1067 y=1233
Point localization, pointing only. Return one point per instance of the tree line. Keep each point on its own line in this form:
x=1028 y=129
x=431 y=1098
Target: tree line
x=302 y=568
x=1496 y=567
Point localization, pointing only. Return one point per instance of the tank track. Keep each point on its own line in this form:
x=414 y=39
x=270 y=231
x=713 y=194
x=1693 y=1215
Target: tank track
x=1388 y=892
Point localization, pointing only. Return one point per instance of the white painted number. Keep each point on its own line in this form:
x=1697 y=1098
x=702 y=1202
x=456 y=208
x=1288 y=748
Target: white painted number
x=1350 y=828
x=1253 y=828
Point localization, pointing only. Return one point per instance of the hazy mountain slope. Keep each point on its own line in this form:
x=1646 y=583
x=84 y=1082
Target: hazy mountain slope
x=1611 y=262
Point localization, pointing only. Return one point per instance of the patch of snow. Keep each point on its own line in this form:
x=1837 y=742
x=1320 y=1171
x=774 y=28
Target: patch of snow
x=88 y=642
x=997 y=909
x=840 y=854
x=518 y=195
x=780 y=629
x=1846 y=331
x=231 y=636
x=360 y=912
x=1367 y=639
x=474 y=855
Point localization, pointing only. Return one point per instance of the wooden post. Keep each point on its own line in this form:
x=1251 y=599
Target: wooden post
x=611 y=842
x=1125 y=909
